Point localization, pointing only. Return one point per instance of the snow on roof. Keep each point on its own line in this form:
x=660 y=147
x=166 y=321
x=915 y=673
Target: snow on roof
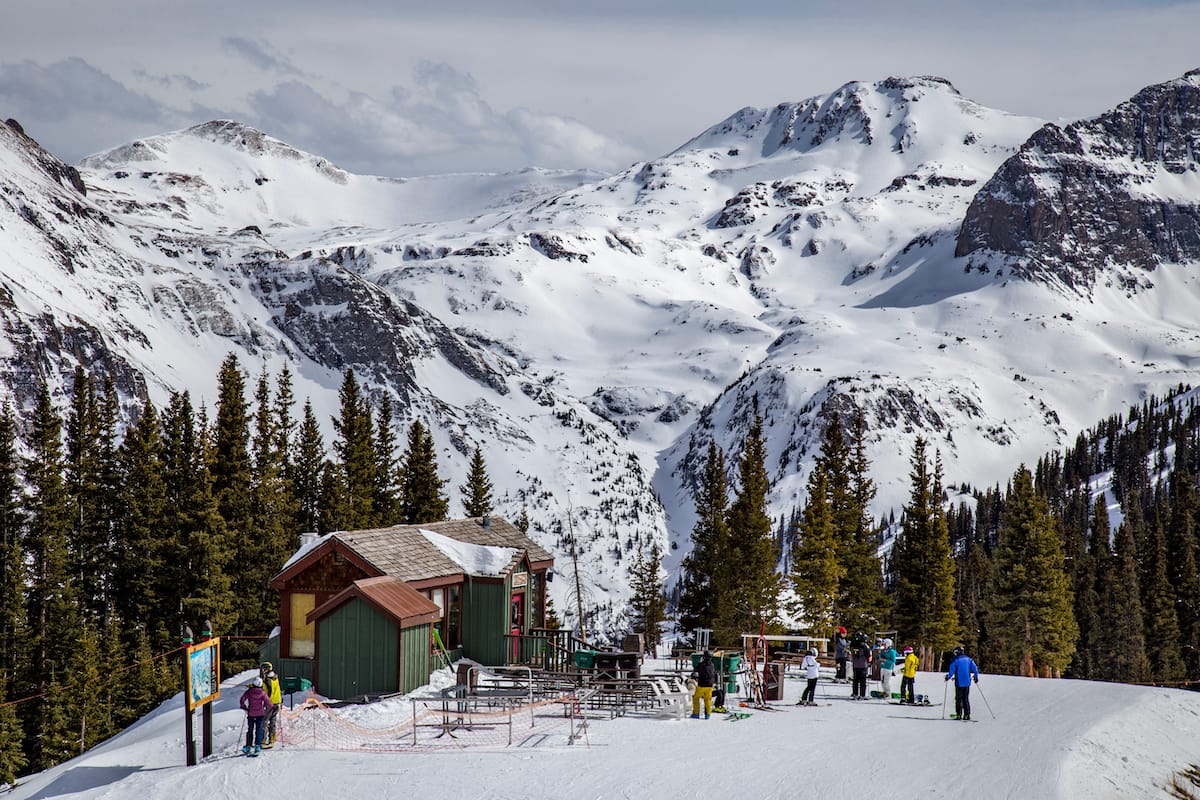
x=478 y=560
x=308 y=543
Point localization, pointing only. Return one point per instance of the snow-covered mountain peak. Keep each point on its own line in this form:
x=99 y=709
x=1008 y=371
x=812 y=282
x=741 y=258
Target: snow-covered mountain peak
x=192 y=149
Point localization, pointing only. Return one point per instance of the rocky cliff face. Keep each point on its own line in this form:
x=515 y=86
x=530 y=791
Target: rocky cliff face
x=1118 y=194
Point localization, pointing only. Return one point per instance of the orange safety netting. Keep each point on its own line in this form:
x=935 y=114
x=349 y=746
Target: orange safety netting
x=425 y=724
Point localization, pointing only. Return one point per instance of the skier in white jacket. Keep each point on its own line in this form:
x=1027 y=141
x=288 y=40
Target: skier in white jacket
x=812 y=670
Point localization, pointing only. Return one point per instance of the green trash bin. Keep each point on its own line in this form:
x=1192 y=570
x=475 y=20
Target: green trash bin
x=585 y=659
x=726 y=665
x=291 y=685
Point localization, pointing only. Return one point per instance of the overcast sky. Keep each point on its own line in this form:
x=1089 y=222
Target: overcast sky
x=395 y=87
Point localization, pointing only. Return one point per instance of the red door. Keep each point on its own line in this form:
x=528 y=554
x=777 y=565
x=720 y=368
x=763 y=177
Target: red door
x=517 y=622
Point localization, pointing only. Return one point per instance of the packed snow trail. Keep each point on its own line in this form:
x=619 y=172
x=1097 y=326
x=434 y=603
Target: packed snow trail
x=1049 y=739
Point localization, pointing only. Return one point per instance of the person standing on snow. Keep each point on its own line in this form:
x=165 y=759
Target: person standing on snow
x=840 y=648
x=908 y=682
x=275 y=693
x=256 y=704
x=812 y=671
x=860 y=660
x=706 y=676
x=963 y=670
x=887 y=666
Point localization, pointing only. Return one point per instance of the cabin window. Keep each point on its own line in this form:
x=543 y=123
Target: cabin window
x=303 y=643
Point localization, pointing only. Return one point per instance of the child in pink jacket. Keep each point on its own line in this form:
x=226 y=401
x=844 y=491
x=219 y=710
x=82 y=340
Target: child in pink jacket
x=256 y=703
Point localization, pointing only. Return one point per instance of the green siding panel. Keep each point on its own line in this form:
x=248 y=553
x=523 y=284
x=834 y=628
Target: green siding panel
x=485 y=621
x=358 y=651
x=414 y=657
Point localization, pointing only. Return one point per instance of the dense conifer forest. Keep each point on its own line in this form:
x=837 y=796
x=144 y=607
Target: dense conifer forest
x=118 y=530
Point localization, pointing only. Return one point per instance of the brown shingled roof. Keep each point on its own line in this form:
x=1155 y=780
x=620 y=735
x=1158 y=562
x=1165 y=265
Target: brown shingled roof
x=499 y=532
x=392 y=596
x=402 y=552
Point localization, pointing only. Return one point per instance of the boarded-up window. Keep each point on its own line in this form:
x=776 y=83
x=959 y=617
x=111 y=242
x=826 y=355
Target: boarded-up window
x=303 y=644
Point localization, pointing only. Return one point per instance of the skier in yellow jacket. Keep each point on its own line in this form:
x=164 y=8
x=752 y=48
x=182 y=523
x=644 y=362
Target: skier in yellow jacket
x=908 y=682
x=273 y=690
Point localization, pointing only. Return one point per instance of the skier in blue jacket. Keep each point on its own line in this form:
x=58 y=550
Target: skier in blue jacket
x=963 y=670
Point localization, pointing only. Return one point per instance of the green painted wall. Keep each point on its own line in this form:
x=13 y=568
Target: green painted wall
x=485 y=621
x=414 y=657
x=357 y=652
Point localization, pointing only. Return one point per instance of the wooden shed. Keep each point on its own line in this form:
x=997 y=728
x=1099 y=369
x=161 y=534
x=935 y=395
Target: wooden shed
x=486 y=579
x=373 y=638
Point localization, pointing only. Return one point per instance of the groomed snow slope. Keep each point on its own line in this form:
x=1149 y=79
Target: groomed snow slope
x=1049 y=739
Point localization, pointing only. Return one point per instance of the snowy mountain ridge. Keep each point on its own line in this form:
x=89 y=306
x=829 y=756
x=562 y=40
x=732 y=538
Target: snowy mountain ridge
x=592 y=333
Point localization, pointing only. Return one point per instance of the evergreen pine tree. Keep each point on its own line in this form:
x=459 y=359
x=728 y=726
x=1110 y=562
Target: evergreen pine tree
x=57 y=735
x=230 y=465
x=700 y=588
x=139 y=679
x=12 y=753
x=1158 y=604
x=861 y=600
x=87 y=706
x=1093 y=565
x=924 y=570
x=1120 y=644
x=522 y=523
x=274 y=514
x=1032 y=602
x=142 y=588
x=816 y=573
x=88 y=540
x=14 y=633
x=198 y=564
x=477 y=491
x=386 y=503
x=309 y=460
x=422 y=499
x=553 y=622
x=355 y=450
x=51 y=607
x=749 y=594
x=648 y=605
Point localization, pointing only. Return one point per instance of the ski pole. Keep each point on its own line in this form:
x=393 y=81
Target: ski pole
x=945 y=689
x=985 y=702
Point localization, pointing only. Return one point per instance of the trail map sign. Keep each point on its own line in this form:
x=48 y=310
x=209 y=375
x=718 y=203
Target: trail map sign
x=203 y=665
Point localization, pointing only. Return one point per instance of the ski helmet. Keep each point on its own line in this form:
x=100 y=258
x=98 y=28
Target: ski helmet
x=812 y=651
x=257 y=681
x=887 y=642
x=907 y=650
x=842 y=629
x=707 y=656
x=958 y=651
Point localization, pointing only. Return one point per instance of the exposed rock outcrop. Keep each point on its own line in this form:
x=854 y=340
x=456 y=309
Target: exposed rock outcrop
x=1119 y=190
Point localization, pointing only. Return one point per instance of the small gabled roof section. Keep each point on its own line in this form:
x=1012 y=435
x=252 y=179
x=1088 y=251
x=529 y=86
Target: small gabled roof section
x=313 y=551
x=393 y=597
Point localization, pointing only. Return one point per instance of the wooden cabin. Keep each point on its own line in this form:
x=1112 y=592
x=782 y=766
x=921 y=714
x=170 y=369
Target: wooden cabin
x=484 y=579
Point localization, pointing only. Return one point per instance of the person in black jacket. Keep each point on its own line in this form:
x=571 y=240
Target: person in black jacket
x=706 y=677
x=840 y=648
x=860 y=660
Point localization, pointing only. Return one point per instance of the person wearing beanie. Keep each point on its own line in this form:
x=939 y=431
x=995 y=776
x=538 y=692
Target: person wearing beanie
x=841 y=647
x=255 y=702
x=812 y=670
x=908 y=679
x=705 y=676
x=887 y=666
